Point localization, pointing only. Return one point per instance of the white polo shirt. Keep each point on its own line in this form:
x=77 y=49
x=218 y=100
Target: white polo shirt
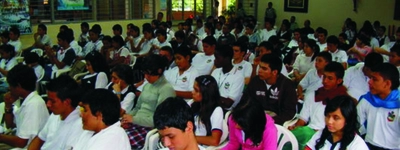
x=357 y=143
x=45 y=40
x=128 y=101
x=313 y=112
x=355 y=81
x=244 y=67
x=383 y=124
x=61 y=134
x=216 y=121
x=311 y=81
x=203 y=63
x=31 y=117
x=183 y=82
x=265 y=35
x=17 y=45
x=303 y=63
x=230 y=84
x=7 y=64
x=339 y=56
x=293 y=43
x=146 y=46
x=111 y=138
x=322 y=46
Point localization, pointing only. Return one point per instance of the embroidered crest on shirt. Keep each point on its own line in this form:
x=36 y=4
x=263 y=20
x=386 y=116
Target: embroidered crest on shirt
x=208 y=61
x=240 y=67
x=184 y=79
x=336 y=59
x=391 y=116
x=274 y=93
x=260 y=93
x=227 y=85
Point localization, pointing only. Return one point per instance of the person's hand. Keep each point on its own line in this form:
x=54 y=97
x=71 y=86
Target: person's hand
x=117 y=86
x=9 y=99
x=126 y=118
x=292 y=127
x=35 y=35
x=300 y=96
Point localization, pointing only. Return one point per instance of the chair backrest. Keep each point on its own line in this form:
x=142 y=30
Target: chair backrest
x=225 y=129
x=38 y=51
x=151 y=140
x=285 y=136
x=133 y=59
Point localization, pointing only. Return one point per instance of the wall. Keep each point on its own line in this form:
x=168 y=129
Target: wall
x=331 y=14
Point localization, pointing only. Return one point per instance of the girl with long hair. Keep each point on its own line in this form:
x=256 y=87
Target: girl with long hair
x=98 y=72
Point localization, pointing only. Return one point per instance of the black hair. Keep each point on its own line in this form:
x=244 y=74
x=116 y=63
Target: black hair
x=373 y=59
x=322 y=31
x=63 y=27
x=270 y=21
x=149 y=30
x=180 y=34
x=42 y=26
x=15 y=30
x=364 y=39
x=124 y=72
x=164 y=24
x=210 y=27
x=146 y=26
x=314 y=46
x=31 y=57
x=251 y=118
x=383 y=28
x=70 y=34
x=396 y=49
x=154 y=64
x=85 y=25
x=199 y=21
x=250 y=26
x=168 y=49
x=5 y=34
x=224 y=50
x=107 y=38
x=23 y=76
x=336 y=68
x=118 y=39
x=136 y=29
x=348 y=109
x=388 y=72
x=160 y=13
x=298 y=30
x=173 y=113
x=326 y=55
x=8 y=49
x=130 y=25
x=343 y=35
x=333 y=40
x=184 y=51
x=97 y=27
x=210 y=96
x=161 y=32
x=97 y=61
x=241 y=45
x=66 y=88
x=169 y=23
x=155 y=22
x=210 y=40
x=117 y=27
x=274 y=62
x=267 y=45
x=95 y=31
x=105 y=102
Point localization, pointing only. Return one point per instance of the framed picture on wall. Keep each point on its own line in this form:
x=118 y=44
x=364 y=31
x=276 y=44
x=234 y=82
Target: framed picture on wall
x=296 y=6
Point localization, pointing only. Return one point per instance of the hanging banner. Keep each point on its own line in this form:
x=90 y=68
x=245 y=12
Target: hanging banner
x=15 y=13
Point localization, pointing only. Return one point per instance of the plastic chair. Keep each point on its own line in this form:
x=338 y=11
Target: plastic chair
x=38 y=51
x=79 y=75
x=151 y=140
x=291 y=122
x=285 y=136
x=133 y=59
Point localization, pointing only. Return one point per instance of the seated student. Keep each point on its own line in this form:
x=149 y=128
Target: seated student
x=180 y=40
x=32 y=114
x=98 y=72
x=169 y=32
x=218 y=29
x=147 y=42
x=204 y=62
x=117 y=30
x=338 y=55
x=107 y=46
x=14 y=34
x=251 y=128
x=121 y=85
x=343 y=42
x=5 y=37
x=311 y=117
x=237 y=31
x=266 y=47
x=167 y=52
x=356 y=78
x=284 y=34
x=306 y=61
x=322 y=33
x=274 y=91
x=307 y=29
x=254 y=38
x=378 y=110
x=208 y=31
x=133 y=40
x=174 y=121
x=98 y=29
x=100 y=111
x=313 y=79
x=95 y=42
x=314 y=35
x=41 y=38
x=394 y=57
x=84 y=36
x=241 y=66
x=295 y=40
x=208 y=114
x=381 y=37
x=182 y=77
x=199 y=28
x=341 y=129
x=32 y=60
x=195 y=44
x=120 y=54
x=268 y=31
x=360 y=48
x=230 y=82
x=162 y=41
x=8 y=60
x=64 y=124
x=138 y=121
x=226 y=38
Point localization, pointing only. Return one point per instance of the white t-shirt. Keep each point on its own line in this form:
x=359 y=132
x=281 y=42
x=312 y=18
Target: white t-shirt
x=217 y=33
x=374 y=43
x=128 y=101
x=293 y=43
x=230 y=84
x=303 y=63
x=322 y=46
x=31 y=117
x=355 y=81
x=8 y=64
x=382 y=125
x=39 y=71
x=101 y=80
x=357 y=143
x=165 y=43
x=61 y=134
x=313 y=112
x=45 y=40
x=339 y=56
x=17 y=45
x=146 y=46
x=216 y=121
x=203 y=63
x=244 y=67
x=200 y=31
x=91 y=46
x=75 y=46
x=265 y=35
x=111 y=138
x=311 y=81
x=136 y=42
x=183 y=82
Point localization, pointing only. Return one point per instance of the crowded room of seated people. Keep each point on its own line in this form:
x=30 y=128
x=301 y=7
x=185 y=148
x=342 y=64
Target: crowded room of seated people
x=232 y=83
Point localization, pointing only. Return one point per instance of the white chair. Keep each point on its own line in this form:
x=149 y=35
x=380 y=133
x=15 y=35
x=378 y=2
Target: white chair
x=79 y=75
x=287 y=136
x=291 y=122
x=133 y=59
x=38 y=51
x=59 y=72
x=151 y=140
x=225 y=133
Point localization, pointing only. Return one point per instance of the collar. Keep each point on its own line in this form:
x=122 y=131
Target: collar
x=73 y=115
x=337 y=50
x=160 y=80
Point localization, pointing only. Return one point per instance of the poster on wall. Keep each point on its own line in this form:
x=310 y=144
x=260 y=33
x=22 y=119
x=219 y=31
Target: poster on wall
x=15 y=13
x=73 y=4
x=163 y=5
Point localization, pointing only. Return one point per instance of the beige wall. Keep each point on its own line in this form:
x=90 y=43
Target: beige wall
x=331 y=14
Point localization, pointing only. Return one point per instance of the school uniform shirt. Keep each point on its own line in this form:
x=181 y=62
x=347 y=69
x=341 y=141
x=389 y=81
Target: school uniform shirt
x=95 y=81
x=387 y=47
x=84 y=37
x=265 y=34
x=322 y=46
x=311 y=81
x=39 y=72
x=121 y=52
x=374 y=43
x=7 y=64
x=136 y=41
x=339 y=56
x=311 y=36
x=127 y=97
x=200 y=31
x=203 y=63
x=355 y=81
x=183 y=82
x=216 y=121
x=60 y=134
x=226 y=39
x=383 y=40
x=279 y=98
x=75 y=46
x=91 y=46
x=382 y=124
x=244 y=67
x=217 y=33
x=31 y=117
x=45 y=39
x=110 y=138
x=303 y=63
x=231 y=84
x=146 y=46
x=293 y=43
x=170 y=34
x=165 y=43
x=357 y=143
x=66 y=56
x=313 y=112
x=17 y=45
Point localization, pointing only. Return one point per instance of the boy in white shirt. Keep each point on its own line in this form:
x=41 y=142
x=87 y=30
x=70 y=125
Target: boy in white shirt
x=241 y=66
x=64 y=124
x=14 y=39
x=162 y=41
x=31 y=116
x=84 y=36
x=204 y=62
x=94 y=44
x=174 y=121
x=378 y=110
x=199 y=31
x=100 y=112
x=338 y=55
x=295 y=39
x=269 y=31
x=322 y=33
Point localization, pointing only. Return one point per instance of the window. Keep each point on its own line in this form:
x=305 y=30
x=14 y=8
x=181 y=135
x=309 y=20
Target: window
x=183 y=9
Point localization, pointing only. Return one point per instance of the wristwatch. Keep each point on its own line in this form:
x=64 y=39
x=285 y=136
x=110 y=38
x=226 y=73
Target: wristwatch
x=8 y=110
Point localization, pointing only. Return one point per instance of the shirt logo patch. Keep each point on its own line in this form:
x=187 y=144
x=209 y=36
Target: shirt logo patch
x=274 y=93
x=184 y=79
x=227 y=85
x=208 y=61
x=240 y=67
x=260 y=93
x=391 y=116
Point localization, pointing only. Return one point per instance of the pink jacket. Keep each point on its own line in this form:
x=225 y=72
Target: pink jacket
x=269 y=141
